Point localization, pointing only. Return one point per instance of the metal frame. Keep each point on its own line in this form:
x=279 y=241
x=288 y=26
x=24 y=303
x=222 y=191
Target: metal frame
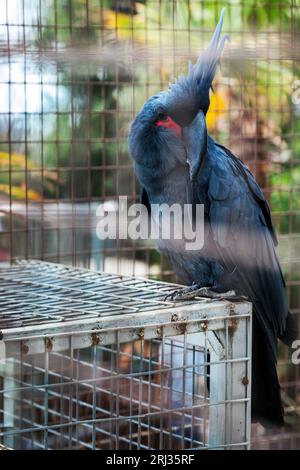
x=91 y=324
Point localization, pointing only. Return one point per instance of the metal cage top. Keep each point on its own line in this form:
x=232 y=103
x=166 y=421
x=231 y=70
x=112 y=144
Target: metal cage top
x=39 y=299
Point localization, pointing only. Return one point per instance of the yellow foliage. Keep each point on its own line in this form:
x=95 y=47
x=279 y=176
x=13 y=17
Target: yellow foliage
x=124 y=24
x=17 y=192
x=14 y=161
x=216 y=109
x=33 y=195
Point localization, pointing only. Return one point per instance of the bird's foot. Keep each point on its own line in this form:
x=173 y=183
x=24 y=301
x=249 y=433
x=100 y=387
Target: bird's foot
x=191 y=292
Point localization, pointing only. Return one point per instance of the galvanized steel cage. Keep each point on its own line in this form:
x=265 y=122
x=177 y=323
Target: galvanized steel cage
x=97 y=361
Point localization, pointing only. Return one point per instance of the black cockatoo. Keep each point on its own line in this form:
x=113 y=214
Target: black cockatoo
x=176 y=161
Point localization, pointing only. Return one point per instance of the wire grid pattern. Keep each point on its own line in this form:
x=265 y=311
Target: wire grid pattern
x=74 y=73
x=119 y=397
x=146 y=382
x=36 y=293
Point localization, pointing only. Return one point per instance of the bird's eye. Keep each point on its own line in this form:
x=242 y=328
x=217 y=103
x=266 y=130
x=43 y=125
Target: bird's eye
x=161 y=115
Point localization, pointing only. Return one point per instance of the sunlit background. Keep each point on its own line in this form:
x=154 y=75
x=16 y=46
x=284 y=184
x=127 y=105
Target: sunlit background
x=72 y=75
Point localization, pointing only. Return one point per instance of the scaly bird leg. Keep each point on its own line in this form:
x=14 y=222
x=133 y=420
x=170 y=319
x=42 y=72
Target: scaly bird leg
x=191 y=292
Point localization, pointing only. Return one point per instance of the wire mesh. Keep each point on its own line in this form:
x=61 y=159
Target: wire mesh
x=74 y=73
x=64 y=294
x=150 y=380
x=96 y=409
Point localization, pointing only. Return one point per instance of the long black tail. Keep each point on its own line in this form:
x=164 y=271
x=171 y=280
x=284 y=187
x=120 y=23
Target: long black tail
x=266 y=400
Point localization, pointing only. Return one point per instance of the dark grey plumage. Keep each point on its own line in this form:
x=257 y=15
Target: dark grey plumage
x=239 y=249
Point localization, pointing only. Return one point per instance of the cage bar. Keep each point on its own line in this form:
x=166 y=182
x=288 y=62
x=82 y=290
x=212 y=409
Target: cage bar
x=91 y=360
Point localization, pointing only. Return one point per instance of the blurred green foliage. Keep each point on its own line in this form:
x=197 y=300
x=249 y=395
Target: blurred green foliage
x=92 y=92
x=85 y=121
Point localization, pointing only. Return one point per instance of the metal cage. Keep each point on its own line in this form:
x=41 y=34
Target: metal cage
x=97 y=361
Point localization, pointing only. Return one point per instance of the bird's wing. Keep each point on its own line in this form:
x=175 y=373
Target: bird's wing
x=254 y=188
x=244 y=237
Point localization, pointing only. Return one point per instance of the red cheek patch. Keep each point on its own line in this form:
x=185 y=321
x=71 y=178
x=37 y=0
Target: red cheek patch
x=170 y=124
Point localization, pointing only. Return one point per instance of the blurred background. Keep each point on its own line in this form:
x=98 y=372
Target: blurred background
x=73 y=73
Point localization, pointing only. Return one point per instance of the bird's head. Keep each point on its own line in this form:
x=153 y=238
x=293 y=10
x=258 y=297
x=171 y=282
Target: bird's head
x=172 y=115
x=190 y=93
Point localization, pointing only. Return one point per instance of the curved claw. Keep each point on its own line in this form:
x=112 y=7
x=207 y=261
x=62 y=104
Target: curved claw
x=185 y=293
x=190 y=293
x=172 y=295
